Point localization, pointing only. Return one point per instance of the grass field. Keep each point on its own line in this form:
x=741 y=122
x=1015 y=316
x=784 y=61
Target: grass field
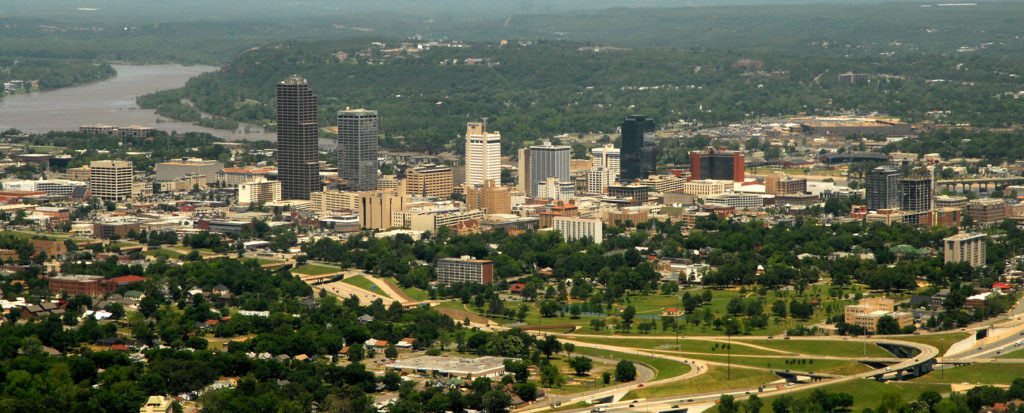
x=362 y=282
x=826 y=366
x=716 y=379
x=163 y=252
x=1015 y=354
x=313 y=269
x=665 y=368
x=940 y=341
x=851 y=348
x=691 y=346
x=981 y=373
x=265 y=261
x=413 y=292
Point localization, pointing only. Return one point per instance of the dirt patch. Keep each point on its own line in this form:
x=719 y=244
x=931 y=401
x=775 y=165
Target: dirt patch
x=397 y=291
x=551 y=327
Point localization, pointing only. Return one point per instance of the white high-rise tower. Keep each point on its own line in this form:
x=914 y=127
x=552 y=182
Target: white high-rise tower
x=483 y=154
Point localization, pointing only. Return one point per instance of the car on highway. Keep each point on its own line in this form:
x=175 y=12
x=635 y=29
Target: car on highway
x=640 y=385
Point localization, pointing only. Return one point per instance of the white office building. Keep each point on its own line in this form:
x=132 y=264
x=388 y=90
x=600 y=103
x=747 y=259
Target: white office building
x=483 y=154
x=573 y=228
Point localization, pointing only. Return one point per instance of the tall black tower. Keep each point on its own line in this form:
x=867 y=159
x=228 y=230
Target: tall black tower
x=639 y=152
x=298 y=162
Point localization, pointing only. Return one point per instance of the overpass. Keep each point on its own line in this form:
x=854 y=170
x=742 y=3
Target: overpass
x=967 y=184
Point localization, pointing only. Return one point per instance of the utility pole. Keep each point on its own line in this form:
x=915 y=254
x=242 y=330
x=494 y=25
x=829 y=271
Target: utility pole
x=728 y=363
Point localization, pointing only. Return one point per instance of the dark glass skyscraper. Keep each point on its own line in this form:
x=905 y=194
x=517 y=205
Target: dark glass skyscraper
x=298 y=166
x=639 y=152
x=357 y=148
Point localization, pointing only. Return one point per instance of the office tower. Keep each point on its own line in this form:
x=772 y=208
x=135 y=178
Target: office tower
x=483 y=154
x=298 y=162
x=523 y=170
x=965 y=247
x=548 y=161
x=721 y=164
x=781 y=184
x=111 y=180
x=258 y=192
x=882 y=188
x=357 y=148
x=429 y=180
x=639 y=151
x=915 y=194
x=376 y=208
x=491 y=197
x=609 y=158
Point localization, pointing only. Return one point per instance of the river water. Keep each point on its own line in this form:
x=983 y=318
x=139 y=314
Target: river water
x=111 y=102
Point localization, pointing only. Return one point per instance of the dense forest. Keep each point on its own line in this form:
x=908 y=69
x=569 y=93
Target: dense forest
x=533 y=90
x=54 y=73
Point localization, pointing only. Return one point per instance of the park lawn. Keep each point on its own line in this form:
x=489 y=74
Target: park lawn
x=362 y=282
x=690 y=346
x=164 y=253
x=866 y=393
x=314 y=269
x=265 y=261
x=851 y=348
x=980 y=373
x=665 y=368
x=939 y=341
x=714 y=380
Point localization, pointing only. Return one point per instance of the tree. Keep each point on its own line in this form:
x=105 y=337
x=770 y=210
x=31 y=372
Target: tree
x=496 y=401
x=568 y=348
x=392 y=380
x=779 y=308
x=628 y=313
x=549 y=308
x=727 y=404
x=887 y=325
x=581 y=365
x=549 y=346
x=550 y=376
x=753 y=404
x=391 y=352
x=625 y=371
x=356 y=352
x=606 y=377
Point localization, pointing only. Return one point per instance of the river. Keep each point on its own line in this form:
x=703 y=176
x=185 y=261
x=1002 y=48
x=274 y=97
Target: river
x=112 y=102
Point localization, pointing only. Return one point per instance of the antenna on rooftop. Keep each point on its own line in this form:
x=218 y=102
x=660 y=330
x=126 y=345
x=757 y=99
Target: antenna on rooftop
x=485 y=123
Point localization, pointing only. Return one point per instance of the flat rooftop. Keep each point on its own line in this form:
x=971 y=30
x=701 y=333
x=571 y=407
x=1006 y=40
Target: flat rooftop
x=451 y=365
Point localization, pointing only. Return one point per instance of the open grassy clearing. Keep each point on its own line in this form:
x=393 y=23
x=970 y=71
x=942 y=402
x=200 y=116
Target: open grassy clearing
x=981 y=373
x=692 y=346
x=665 y=368
x=716 y=379
x=164 y=253
x=314 y=269
x=362 y=282
x=826 y=366
x=414 y=293
x=939 y=341
x=838 y=348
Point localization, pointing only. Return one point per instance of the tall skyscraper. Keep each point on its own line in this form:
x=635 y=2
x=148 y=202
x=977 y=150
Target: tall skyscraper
x=718 y=164
x=523 y=170
x=298 y=163
x=882 y=188
x=916 y=193
x=639 y=152
x=357 y=148
x=548 y=161
x=483 y=154
x=610 y=158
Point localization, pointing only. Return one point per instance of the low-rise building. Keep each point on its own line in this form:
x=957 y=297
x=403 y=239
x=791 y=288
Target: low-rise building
x=438 y=366
x=986 y=211
x=574 y=228
x=868 y=311
x=259 y=191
